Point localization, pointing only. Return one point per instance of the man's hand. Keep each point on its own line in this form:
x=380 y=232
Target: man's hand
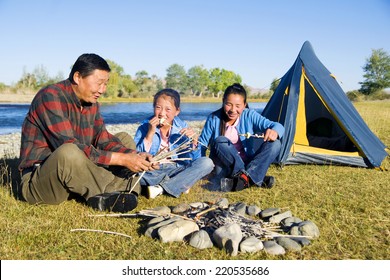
x=135 y=162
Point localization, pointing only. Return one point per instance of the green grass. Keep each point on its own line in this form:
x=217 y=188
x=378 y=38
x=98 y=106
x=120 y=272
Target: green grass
x=349 y=205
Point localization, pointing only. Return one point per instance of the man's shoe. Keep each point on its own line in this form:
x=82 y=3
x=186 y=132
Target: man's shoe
x=268 y=182
x=154 y=191
x=114 y=202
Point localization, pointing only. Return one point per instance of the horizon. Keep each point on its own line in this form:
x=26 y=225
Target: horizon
x=257 y=40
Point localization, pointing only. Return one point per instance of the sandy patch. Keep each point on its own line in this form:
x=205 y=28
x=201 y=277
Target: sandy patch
x=16 y=98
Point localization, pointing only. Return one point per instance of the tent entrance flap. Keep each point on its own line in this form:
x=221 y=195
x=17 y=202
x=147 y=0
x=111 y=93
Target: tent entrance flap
x=315 y=124
x=300 y=129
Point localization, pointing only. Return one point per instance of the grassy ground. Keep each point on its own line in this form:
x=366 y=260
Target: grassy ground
x=349 y=205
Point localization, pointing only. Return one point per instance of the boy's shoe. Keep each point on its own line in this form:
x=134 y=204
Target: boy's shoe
x=268 y=182
x=240 y=182
x=115 y=202
x=154 y=191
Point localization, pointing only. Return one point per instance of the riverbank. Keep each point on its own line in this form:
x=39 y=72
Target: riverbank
x=16 y=98
x=10 y=143
x=28 y=97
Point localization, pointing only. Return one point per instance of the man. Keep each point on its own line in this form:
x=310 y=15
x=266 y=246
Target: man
x=66 y=149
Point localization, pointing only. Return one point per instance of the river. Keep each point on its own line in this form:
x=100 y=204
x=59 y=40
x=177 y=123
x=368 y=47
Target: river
x=12 y=115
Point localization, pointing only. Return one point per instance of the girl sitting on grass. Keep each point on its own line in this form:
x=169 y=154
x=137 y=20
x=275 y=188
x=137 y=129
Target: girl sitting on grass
x=163 y=132
x=228 y=132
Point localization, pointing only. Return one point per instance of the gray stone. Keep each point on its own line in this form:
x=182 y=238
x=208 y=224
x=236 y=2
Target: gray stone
x=152 y=230
x=225 y=233
x=181 y=208
x=251 y=245
x=279 y=217
x=288 y=244
x=294 y=230
x=240 y=208
x=253 y=210
x=308 y=228
x=269 y=212
x=273 y=248
x=222 y=203
x=303 y=241
x=161 y=210
x=201 y=240
x=155 y=221
x=176 y=231
x=290 y=221
x=199 y=205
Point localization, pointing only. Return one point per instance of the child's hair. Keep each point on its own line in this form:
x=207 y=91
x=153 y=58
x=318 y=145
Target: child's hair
x=235 y=89
x=168 y=92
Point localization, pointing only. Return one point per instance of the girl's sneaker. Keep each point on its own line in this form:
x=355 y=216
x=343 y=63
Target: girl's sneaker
x=154 y=191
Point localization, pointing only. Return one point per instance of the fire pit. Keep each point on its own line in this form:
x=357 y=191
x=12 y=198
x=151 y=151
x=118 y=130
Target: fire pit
x=233 y=227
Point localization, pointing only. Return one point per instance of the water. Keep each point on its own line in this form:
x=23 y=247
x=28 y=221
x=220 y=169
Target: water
x=12 y=115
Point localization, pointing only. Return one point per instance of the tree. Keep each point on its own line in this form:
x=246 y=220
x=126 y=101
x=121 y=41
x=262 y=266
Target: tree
x=143 y=74
x=41 y=75
x=220 y=79
x=128 y=85
x=115 y=67
x=377 y=72
x=113 y=85
x=158 y=82
x=3 y=87
x=146 y=85
x=274 y=84
x=198 y=79
x=38 y=79
x=119 y=85
x=176 y=77
x=27 y=80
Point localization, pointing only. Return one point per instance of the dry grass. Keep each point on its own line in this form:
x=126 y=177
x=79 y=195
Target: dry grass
x=349 y=205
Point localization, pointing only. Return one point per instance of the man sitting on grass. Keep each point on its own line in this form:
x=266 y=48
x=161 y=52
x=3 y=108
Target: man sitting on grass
x=66 y=149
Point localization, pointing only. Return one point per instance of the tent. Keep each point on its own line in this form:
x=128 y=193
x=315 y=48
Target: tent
x=322 y=126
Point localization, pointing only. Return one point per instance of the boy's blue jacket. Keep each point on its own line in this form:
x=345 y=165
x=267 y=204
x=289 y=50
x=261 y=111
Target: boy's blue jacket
x=250 y=121
x=177 y=125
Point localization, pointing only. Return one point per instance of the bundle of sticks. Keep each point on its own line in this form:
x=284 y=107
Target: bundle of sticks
x=171 y=156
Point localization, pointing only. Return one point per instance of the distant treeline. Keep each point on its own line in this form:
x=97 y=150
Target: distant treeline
x=201 y=82
x=196 y=82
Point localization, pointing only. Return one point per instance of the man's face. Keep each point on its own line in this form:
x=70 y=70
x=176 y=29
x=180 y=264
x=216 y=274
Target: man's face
x=88 y=89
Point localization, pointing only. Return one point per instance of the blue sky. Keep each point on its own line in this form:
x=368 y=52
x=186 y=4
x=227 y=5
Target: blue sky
x=259 y=40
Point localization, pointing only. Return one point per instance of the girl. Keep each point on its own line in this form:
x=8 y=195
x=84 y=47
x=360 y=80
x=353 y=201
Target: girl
x=228 y=131
x=163 y=132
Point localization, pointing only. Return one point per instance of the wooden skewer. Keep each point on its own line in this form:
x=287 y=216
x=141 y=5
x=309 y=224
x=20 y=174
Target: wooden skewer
x=248 y=135
x=204 y=145
x=205 y=211
x=101 y=231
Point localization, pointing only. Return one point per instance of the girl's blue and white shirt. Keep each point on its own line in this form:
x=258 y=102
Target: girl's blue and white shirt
x=177 y=125
x=250 y=122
